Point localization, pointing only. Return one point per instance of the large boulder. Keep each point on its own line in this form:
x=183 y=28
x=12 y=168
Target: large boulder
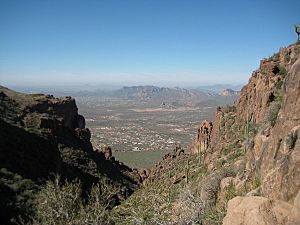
x=256 y=210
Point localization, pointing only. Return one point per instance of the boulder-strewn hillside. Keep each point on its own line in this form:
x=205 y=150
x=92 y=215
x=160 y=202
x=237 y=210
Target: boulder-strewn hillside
x=41 y=136
x=244 y=167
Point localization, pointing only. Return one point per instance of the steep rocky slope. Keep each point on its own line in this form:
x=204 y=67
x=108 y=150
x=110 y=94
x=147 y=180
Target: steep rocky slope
x=41 y=136
x=259 y=137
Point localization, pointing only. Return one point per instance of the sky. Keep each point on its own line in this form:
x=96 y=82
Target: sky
x=139 y=42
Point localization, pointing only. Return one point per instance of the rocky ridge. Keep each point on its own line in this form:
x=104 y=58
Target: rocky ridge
x=259 y=137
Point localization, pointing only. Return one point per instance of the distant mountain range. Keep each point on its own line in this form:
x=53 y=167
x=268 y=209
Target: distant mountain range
x=220 y=87
x=229 y=92
x=87 y=90
x=176 y=94
x=158 y=93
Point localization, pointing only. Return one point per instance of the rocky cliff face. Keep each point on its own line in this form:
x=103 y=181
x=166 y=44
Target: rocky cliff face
x=41 y=135
x=259 y=137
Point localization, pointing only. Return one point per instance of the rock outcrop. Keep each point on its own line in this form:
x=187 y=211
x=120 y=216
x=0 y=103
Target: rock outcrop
x=167 y=164
x=203 y=140
x=261 y=210
x=257 y=211
x=41 y=135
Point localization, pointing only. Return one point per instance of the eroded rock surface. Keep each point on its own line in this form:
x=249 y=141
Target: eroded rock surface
x=41 y=135
x=257 y=211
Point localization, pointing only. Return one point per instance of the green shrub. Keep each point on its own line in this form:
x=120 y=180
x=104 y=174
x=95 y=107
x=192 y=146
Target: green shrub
x=297 y=49
x=274 y=57
x=235 y=155
x=230 y=192
x=229 y=109
x=273 y=111
x=291 y=140
x=278 y=84
x=287 y=58
x=256 y=183
x=226 y=151
x=17 y=197
x=214 y=215
x=251 y=130
x=282 y=71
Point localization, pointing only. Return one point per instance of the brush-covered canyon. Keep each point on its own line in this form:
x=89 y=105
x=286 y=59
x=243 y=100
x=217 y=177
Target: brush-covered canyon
x=241 y=168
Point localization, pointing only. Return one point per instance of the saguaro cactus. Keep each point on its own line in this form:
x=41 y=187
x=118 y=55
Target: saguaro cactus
x=187 y=170
x=297 y=30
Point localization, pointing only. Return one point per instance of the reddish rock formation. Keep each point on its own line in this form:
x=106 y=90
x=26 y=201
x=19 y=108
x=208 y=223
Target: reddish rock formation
x=257 y=210
x=203 y=140
x=177 y=151
x=143 y=173
x=259 y=135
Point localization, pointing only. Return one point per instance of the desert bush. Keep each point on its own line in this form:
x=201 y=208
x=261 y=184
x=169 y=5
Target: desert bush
x=214 y=215
x=191 y=207
x=287 y=58
x=291 y=140
x=274 y=57
x=278 y=84
x=256 y=182
x=297 y=49
x=17 y=197
x=230 y=192
x=282 y=71
x=230 y=108
x=146 y=206
x=60 y=204
x=273 y=111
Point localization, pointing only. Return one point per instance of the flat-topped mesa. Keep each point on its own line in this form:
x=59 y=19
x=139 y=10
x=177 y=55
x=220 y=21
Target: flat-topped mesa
x=63 y=109
x=203 y=139
x=67 y=109
x=38 y=111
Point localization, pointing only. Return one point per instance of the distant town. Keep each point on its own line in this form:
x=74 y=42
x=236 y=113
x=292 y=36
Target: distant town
x=142 y=119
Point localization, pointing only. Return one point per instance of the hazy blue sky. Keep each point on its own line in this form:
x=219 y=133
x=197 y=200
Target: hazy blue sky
x=187 y=42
